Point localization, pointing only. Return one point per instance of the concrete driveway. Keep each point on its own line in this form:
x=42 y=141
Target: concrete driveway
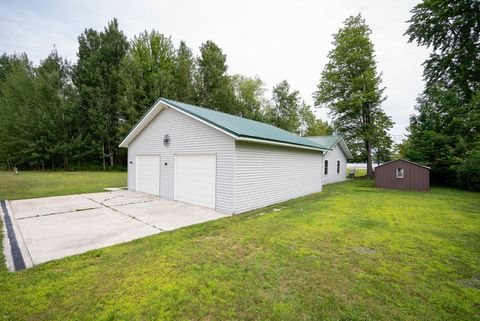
x=43 y=229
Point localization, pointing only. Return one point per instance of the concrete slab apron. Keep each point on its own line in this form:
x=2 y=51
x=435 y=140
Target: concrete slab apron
x=51 y=205
x=54 y=227
x=168 y=215
x=55 y=236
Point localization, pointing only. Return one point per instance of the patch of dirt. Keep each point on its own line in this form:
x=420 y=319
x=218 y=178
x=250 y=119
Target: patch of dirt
x=364 y=250
x=473 y=282
x=258 y=214
x=263 y=213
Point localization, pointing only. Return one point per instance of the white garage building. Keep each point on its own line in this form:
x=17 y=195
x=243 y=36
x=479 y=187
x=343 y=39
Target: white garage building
x=208 y=158
x=334 y=161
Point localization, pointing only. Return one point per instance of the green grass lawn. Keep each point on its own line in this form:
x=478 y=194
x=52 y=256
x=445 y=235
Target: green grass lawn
x=358 y=171
x=41 y=184
x=352 y=252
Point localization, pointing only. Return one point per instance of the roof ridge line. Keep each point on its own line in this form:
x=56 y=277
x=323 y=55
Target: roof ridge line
x=176 y=105
x=217 y=111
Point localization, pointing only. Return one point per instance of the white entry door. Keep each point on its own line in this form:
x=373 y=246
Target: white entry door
x=148 y=174
x=194 y=180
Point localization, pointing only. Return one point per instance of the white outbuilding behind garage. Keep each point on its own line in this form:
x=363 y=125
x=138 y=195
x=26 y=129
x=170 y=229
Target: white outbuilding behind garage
x=335 y=160
x=228 y=163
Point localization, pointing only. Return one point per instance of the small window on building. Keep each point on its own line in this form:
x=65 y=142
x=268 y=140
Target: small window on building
x=326 y=167
x=338 y=167
x=399 y=172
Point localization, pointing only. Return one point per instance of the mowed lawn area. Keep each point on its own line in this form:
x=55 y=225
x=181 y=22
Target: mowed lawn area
x=351 y=252
x=42 y=184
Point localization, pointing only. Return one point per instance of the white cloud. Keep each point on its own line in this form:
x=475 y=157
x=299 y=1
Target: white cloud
x=275 y=40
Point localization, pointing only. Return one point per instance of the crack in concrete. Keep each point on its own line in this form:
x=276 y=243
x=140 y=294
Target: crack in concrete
x=131 y=216
x=118 y=196
x=57 y=213
x=89 y=208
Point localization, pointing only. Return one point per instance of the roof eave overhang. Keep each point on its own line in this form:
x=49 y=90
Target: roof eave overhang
x=272 y=142
x=405 y=160
x=144 y=121
x=160 y=105
x=345 y=148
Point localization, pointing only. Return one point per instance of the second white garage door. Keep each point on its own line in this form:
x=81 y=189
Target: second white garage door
x=194 y=180
x=148 y=174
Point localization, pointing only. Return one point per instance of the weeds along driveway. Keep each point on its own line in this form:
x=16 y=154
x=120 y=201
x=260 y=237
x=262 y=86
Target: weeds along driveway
x=43 y=229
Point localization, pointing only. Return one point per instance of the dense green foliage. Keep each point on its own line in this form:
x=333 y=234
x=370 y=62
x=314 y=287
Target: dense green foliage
x=290 y=112
x=350 y=88
x=39 y=118
x=212 y=82
x=97 y=76
x=250 y=95
x=73 y=116
x=352 y=252
x=445 y=132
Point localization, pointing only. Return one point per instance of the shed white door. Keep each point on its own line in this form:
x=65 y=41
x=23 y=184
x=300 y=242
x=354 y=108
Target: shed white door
x=148 y=174
x=194 y=180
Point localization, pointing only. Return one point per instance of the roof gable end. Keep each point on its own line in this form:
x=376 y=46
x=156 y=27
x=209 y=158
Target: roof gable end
x=331 y=141
x=237 y=127
x=403 y=160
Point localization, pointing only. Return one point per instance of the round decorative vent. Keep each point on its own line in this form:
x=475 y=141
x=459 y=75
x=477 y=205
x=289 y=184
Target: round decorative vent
x=166 y=140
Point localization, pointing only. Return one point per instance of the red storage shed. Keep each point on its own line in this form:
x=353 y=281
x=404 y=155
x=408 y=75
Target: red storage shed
x=404 y=175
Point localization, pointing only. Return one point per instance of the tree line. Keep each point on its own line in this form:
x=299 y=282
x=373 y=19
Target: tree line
x=445 y=131
x=73 y=116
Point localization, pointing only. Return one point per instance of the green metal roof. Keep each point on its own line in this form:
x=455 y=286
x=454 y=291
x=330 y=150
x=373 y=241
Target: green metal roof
x=242 y=127
x=328 y=141
x=331 y=141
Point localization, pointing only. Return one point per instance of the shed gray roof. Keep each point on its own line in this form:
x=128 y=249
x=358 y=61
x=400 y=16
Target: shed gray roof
x=238 y=127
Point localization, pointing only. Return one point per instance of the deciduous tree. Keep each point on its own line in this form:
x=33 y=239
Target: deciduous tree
x=184 y=72
x=284 y=111
x=350 y=87
x=97 y=76
x=445 y=131
x=250 y=97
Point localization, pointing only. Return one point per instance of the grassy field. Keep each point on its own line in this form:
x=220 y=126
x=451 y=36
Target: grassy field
x=352 y=252
x=41 y=184
x=358 y=171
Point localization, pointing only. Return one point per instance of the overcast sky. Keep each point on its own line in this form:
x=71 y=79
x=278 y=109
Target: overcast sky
x=275 y=40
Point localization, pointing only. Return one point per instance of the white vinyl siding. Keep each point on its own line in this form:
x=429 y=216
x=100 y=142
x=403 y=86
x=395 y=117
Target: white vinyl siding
x=336 y=173
x=187 y=135
x=266 y=174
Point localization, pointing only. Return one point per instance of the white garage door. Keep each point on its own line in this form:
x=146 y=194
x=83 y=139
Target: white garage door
x=195 y=179
x=148 y=174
